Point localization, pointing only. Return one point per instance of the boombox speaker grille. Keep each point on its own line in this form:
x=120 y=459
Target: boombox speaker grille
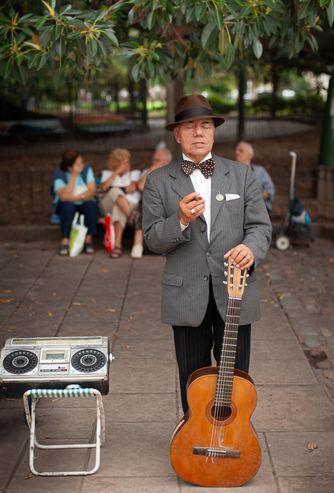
x=88 y=360
x=20 y=361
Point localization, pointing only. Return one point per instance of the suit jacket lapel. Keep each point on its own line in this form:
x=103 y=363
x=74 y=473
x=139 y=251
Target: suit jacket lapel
x=181 y=184
x=220 y=184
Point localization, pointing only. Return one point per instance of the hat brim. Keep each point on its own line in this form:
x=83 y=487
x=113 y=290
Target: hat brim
x=217 y=120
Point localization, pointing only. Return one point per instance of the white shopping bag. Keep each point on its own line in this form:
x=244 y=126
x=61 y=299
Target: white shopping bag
x=77 y=235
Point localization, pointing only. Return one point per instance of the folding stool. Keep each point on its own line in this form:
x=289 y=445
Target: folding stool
x=30 y=411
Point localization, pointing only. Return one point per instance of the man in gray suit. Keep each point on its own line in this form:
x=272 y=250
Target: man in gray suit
x=199 y=211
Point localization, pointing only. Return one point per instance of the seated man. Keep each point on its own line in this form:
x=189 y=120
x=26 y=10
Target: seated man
x=160 y=158
x=244 y=153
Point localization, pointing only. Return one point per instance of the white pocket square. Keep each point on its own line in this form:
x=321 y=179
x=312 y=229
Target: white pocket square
x=232 y=196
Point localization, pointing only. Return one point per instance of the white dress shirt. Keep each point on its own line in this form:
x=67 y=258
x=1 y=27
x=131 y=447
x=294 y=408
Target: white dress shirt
x=202 y=185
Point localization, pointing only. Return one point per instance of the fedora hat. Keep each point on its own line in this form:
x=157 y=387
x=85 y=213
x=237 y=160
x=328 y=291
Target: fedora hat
x=194 y=107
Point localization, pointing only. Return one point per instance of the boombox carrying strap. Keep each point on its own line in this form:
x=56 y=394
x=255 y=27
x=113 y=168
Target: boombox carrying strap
x=35 y=395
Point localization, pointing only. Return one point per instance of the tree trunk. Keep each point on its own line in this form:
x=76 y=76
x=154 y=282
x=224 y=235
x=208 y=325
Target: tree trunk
x=241 y=104
x=116 y=96
x=143 y=100
x=326 y=155
x=131 y=90
x=274 y=80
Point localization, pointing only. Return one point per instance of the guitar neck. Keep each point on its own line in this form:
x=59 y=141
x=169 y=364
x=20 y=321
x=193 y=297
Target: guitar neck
x=227 y=358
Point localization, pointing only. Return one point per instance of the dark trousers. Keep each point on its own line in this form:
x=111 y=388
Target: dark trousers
x=193 y=346
x=67 y=210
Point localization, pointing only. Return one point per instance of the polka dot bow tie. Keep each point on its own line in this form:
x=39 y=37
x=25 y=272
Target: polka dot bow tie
x=206 y=167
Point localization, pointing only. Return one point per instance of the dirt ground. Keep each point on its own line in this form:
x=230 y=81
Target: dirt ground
x=39 y=159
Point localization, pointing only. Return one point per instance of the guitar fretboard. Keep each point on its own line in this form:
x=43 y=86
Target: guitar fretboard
x=227 y=358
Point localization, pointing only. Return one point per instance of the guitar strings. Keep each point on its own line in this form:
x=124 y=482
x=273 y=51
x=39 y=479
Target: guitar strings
x=222 y=405
x=225 y=384
x=218 y=393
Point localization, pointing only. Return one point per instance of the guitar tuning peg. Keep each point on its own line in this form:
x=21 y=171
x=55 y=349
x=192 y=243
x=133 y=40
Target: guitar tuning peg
x=225 y=264
x=247 y=275
x=224 y=282
x=225 y=273
x=246 y=284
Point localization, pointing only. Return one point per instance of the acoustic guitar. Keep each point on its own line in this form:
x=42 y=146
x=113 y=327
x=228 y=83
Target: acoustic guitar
x=215 y=444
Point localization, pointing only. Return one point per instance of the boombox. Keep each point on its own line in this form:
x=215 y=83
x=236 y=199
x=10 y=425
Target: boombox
x=54 y=362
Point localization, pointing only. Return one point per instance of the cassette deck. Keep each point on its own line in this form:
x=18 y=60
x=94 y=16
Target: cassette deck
x=54 y=362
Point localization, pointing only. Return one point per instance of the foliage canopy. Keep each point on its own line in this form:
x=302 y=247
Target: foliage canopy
x=160 y=37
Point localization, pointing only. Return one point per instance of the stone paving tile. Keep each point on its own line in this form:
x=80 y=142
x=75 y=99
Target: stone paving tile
x=137 y=449
x=59 y=460
x=24 y=482
x=158 y=484
x=152 y=376
x=12 y=442
x=10 y=403
x=272 y=329
x=75 y=424
x=134 y=329
x=281 y=372
x=297 y=407
x=135 y=408
x=6 y=257
x=278 y=349
x=88 y=328
x=136 y=349
x=279 y=362
x=318 y=484
x=16 y=280
x=292 y=458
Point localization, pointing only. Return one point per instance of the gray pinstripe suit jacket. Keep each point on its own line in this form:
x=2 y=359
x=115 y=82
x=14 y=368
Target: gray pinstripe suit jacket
x=190 y=258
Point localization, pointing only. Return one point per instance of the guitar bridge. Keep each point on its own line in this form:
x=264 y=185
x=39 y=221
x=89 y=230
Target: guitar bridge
x=216 y=452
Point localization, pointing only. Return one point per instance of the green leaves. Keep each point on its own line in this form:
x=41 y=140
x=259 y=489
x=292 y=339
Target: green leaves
x=229 y=57
x=56 y=38
x=330 y=13
x=257 y=48
x=161 y=37
x=209 y=28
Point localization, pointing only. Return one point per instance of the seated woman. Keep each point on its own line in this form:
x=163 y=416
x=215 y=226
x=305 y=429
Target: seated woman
x=121 y=200
x=75 y=189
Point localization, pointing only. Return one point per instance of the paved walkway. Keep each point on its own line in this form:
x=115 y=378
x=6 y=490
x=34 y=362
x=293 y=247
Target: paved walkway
x=292 y=365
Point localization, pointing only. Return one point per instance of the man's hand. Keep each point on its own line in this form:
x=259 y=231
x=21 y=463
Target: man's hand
x=190 y=207
x=241 y=256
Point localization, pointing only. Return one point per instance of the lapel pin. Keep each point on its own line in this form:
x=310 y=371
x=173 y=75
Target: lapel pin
x=219 y=197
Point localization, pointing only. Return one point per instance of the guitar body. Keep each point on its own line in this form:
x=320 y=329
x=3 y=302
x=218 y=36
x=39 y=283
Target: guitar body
x=222 y=451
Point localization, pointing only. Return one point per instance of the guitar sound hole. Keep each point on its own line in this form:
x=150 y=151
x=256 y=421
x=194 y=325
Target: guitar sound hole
x=221 y=413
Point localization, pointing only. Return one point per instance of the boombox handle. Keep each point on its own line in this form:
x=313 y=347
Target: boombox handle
x=35 y=395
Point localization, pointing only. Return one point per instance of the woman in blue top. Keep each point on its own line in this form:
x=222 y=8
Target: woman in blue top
x=75 y=189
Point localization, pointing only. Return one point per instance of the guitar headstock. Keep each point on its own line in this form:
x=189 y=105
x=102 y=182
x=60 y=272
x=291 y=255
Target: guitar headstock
x=236 y=280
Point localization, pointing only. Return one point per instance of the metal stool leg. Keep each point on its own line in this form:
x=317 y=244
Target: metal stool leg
x=35 y=395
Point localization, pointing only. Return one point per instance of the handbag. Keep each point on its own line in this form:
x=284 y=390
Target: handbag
x=109 y=234
x=77 y=235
